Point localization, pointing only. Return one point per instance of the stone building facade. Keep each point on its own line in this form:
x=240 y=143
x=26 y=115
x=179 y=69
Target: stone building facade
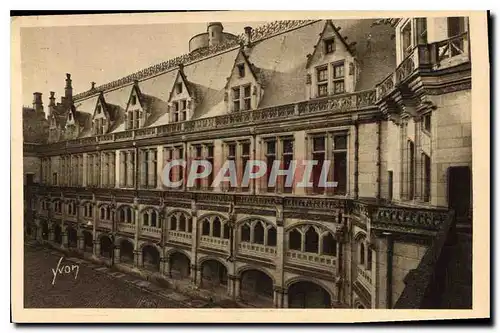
x=387 y=101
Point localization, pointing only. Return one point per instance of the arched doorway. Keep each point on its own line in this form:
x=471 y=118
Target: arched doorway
x=106 y=247
x=72 y=237
x=57 y=234
x=126 y=252
x=45 y=230
x=213 y=274
x=150 y=258
x=88 y=242
x=256 y=287
x=179 y=265
x=305 y=294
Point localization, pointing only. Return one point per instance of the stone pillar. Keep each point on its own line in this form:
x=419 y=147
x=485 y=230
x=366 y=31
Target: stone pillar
x=81 y=242
x=130 y=169
x=278 y=297
x=237 y=288
x=97 y=248
x=111 y=163
x=166 y=267
x=116 y=254
x=194 y=233
x=143 y=155
x=52 y=234
x=230 y=285
x=105 y=170
x=418 y=160
x=138 y=258
x=383 y=269
x=285 y=299
x=39 y=232
x=403 y=176
x=196 y=275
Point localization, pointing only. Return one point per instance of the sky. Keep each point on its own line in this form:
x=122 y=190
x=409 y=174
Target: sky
x=100 y=53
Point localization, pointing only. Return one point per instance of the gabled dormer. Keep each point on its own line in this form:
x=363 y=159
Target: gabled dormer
x=332 y=68
x=181 y=102
x=136 y=112
x=101 y=119
x=75 y=123
x=54 y=127
x=244 y=89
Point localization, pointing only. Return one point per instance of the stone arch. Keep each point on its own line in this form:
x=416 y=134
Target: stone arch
x=151 y=212
x=214 y=272
x=256 y=286
x=360 y=235
x=319 y=226
x=122 y=214
x=321 y=298
x=72 y=235
x=247 y=267
x=88 y=241
x=173 y=250
x=179 y=264
x=45 y=229
x=57 y=232
x=223 y=217
x=253 y=218
x=126 y=249
x=106 y=245
x=151 y=256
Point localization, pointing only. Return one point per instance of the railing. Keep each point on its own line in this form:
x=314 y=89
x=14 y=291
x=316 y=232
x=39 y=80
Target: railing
x=125 y=227
x=424 y=285
x=320 y=261
x=452 y=47
x=179 y=236
x=151 y=231
x=215 y=243
x=364 y=277
x=336 y=104
x=105 y=224
x=257 y=250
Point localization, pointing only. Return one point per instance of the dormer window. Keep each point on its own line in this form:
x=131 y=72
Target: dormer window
x=178 y=88
x=98 y=109
x=182 y=110
x=241 y=70
x=329 y=46
x=133 y=100
x=247 y=97
x=322 y=78
x=338 y=78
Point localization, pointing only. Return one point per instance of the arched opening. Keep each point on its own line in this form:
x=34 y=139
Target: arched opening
x=57 y=234
x=126 y=251
x=179 y=265
x=271 y=236
x=154 y=220
x=257 y=288
x=258 y=233
x=216 y=227
x=295 y=240
x=72 y=237
x=361 y=253
x=213 y=274
x=245 y=233
x=205 y=228
x=182 y=223
x=106 y=247
x=45 y=230
x=145 y=219
x=88 y=242
x=173 y=222
x=150 y=258
x=329 y=245
x=305 y=294
x=312 y=241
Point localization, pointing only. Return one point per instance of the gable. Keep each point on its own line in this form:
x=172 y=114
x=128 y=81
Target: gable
x=180 y=88
x=242 y=72
x=100 y=109
x=331 y=46
x=135 y=100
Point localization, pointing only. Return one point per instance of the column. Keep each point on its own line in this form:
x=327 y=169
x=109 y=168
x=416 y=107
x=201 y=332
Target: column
x=151 y=169
x=123 y=167
x=137 y=252
x=97 y=248
x=159 y=166
x=230 y=285
x=81 y=241
x=237 y=288
x=403 y=177
x=384 y=273
x=116 y=254
x=52 y=234
x=111 y=164
x=104 y=170
x=194 y=233
x=84 y=170
x=285 y=299
x=166 y=267
x=39 y=232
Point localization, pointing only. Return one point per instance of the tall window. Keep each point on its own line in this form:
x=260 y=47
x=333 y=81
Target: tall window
x=322 y=78
x=245 y=157
x=287 y=149
x=247 y=98
x=210 y=159
x=182 y=110
x=318 y=154
x=270 y=157
x=340 y=163
x=198 y=155
x=137 y=119
x=406 y=44
x=421 y=25
x=456 y=26
x=236 y=99
x=427 y=122
x=426 y=177
x=338 y=78
x=130 y=120
x=231 y=156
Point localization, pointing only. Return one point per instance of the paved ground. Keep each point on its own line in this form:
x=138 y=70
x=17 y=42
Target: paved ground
x=94 y=286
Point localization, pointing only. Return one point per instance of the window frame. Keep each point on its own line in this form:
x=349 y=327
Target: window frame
x=335 y=79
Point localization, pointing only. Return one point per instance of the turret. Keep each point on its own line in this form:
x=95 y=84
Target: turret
x=215 y=35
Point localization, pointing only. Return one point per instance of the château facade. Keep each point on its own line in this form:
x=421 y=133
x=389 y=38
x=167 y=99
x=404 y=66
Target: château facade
x=387 y=101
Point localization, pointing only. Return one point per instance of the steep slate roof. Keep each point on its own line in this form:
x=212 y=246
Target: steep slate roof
x=278 y=61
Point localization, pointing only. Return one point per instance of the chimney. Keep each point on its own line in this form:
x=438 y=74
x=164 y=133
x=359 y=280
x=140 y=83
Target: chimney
x=52 y=99
x=248 y=36
x=68 y=90
x=92 y=85
x=37 y=102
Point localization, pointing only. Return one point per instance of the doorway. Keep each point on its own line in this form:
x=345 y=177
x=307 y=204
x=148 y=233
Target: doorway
x=460 y=191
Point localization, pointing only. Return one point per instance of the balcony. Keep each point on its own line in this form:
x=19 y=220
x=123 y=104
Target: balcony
x=315 y=260
x=427 y=57
x=257 y=250
x=105 y=224
x=215 y=243
x=179 y=237
x=126 y=227
x=151 y=231
x=364 y=277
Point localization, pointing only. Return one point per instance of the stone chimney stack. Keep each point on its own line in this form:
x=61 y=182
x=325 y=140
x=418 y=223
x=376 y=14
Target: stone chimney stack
x=248 y=36
x=68 y=90
x=92 y=85
x=215 y=33
x=52 y=99
x=37 y=102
